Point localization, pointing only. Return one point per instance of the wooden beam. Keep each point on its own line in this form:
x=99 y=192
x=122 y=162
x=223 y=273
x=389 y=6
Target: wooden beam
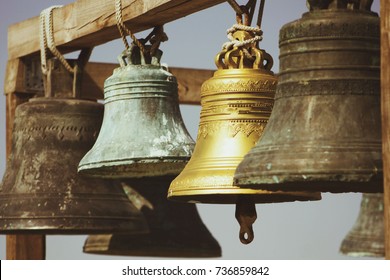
x=21 y=247
x=385 y=103
x=88 y=23
x=189 y=80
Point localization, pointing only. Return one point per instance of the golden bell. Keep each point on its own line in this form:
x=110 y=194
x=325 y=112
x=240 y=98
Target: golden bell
x=176 y=229
x=324 y=133
x=236 y=104
x=41 y=191
x=143 y=133
x=367 y=236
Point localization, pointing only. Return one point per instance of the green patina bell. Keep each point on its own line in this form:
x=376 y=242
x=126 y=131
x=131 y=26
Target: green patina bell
x=143 y=134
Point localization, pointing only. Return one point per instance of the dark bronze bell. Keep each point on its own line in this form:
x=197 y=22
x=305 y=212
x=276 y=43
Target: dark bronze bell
x=324 y=133
x=142 y=134
x=367 y=236
x=41 y=191
x=176 y=229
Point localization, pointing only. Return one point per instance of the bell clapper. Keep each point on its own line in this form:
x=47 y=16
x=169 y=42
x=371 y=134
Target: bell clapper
x=246 y=215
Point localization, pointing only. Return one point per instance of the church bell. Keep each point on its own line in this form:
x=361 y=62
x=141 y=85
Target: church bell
x=324 y=133
x=41 y=191
x=176 y=229
x=367 y=236
x=143 y=134
x=236 y=105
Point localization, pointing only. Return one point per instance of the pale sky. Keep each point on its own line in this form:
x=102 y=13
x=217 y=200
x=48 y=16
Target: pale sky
x=307 y=230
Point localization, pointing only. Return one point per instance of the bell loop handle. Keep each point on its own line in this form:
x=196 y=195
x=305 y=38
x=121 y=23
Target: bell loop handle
x=266 y=60
x=236 y=59
x=134 y=56
x=219 y=60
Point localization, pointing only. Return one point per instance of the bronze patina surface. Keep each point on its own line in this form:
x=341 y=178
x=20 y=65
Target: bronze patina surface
x=324 y=133
x=176 y=229
x=143 y=133
x=41 y=191
x=367 y=236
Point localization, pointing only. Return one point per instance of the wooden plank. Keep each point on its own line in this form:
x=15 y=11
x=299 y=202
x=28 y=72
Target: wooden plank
x=88 y=23
x=21 y=247
x=189 y=80
x=385 y=103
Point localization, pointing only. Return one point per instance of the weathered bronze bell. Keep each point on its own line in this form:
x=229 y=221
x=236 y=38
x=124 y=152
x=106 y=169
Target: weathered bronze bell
x=41 y=191
x=324 y=133
x=142 y=134
x=367 y=236
x=176 y=229
x=236 y=104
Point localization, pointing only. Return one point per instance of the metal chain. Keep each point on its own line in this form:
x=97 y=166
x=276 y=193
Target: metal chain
x=47 y=40
x=235 y=7
x=248 y=9
x=260 y=14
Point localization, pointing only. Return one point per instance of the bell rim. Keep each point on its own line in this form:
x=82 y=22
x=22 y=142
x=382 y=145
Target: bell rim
x=145 y=246
x=229 y=195
x=165 y=252
x=136 y=227
x=130 y=168
x=319 y=183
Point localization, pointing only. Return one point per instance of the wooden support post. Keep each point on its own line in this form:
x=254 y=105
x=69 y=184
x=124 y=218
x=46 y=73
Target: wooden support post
x=385 y=99
x=21 y=247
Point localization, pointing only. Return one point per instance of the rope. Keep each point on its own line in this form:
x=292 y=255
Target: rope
x=122 y=27
x=236 y=43
x=47 y=40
